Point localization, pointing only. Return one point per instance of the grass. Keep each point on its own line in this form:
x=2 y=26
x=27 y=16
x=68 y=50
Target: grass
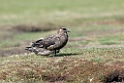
x=18 y=11
x=111 y=39
x=95 y=48
x=30 y=68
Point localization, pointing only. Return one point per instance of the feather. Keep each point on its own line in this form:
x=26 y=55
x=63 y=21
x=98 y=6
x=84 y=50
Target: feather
x=54 y=42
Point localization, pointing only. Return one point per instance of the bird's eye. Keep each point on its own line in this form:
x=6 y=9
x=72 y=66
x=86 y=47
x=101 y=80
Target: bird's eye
x=64 y=28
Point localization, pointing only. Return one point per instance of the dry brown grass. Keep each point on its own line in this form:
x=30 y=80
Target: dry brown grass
x=64 y=69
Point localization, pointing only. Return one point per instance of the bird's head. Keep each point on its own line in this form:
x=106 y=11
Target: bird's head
x=63 y=30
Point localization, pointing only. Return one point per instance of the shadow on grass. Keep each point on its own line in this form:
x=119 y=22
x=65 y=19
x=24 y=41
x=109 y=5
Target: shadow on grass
x=66 y=54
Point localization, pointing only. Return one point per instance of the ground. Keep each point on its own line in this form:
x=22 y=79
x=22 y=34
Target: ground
x=94 y=52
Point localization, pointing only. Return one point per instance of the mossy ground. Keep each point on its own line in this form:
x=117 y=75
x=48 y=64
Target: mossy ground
x=95 y=48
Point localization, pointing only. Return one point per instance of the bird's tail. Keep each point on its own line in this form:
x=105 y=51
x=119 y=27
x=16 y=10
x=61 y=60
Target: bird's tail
x=36 y=44
x=28 y=48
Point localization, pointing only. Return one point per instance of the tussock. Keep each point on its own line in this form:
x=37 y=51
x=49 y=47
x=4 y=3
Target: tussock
x=34 y=28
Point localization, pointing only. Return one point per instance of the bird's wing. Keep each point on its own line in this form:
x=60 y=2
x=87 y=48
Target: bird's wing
x=48 y=41
x=60 y=42
x=43 y=43
x=36 y=43
x=56 y=43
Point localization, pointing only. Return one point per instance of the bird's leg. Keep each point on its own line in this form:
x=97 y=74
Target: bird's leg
x=55 y=52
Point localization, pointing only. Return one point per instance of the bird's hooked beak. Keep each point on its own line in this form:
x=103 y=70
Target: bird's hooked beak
x=68 y=31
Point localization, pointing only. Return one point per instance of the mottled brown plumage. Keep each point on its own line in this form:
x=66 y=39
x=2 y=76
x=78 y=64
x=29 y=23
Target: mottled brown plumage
x=53 y=42
x=40 y=51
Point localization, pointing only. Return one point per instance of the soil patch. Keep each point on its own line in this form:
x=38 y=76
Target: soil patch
x=116 y=76
x=12 y=51
x=34 y=28
x=112 y=22
x=114 y=73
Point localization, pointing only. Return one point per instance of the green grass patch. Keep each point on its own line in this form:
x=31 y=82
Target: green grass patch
x=40 y=11
x=91 y=63
x=111 y=39
x=109 y=43
x=93 y=25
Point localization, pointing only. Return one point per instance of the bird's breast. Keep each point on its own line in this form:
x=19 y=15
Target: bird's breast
x=63 y=41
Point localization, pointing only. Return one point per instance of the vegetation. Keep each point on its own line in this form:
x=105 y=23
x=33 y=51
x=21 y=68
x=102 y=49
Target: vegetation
x=94 y=51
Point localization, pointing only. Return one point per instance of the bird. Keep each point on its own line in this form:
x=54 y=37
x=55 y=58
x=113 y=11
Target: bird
x=52 y=43
x=39 y=51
